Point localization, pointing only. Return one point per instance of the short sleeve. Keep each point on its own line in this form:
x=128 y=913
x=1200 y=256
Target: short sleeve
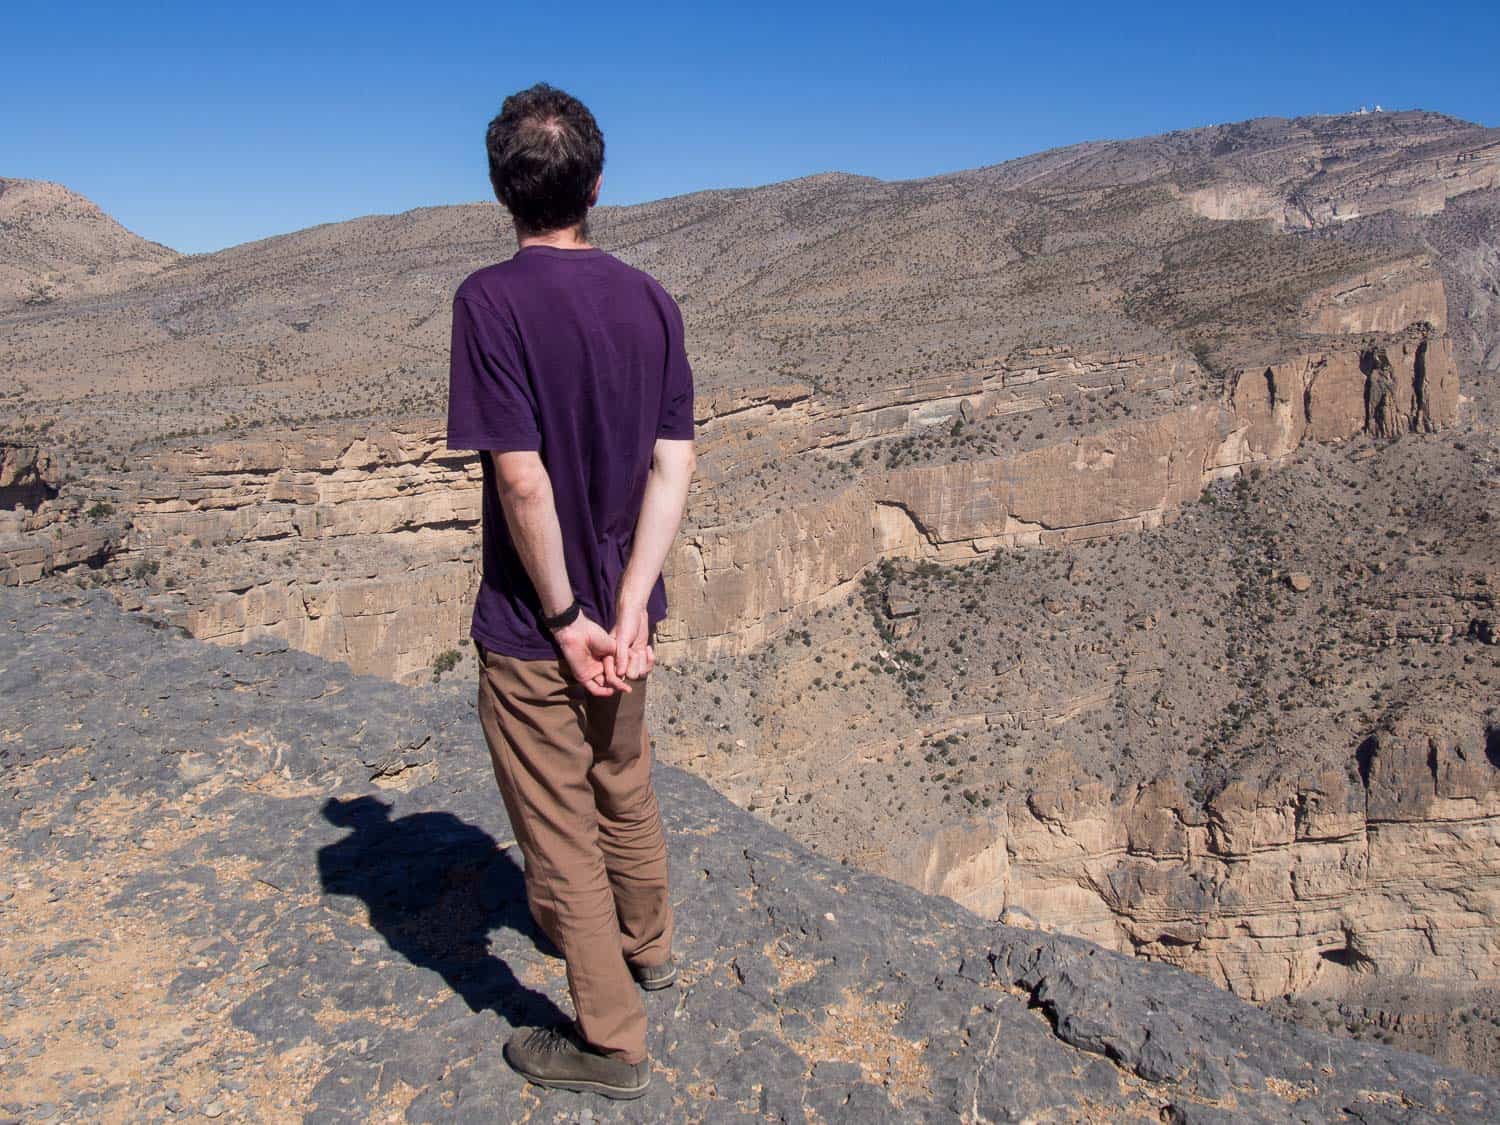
x=491 y=404
x=676 y=421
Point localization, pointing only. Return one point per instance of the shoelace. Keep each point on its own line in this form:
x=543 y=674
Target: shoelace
x=548 y=1039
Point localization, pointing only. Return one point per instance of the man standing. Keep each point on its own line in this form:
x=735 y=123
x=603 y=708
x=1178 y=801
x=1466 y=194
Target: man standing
x=569 y=373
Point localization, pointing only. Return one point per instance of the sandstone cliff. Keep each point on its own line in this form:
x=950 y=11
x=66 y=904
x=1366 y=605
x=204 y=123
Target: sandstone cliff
x=364 y=543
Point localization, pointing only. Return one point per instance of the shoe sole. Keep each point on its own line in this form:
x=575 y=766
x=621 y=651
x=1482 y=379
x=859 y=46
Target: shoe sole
x=584 y=1085
x=658 y=983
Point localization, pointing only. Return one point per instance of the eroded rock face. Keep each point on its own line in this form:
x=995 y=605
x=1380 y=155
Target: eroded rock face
x=1385 y=300
x=1407 y=385
x=1340 y=183
x=40 y=532
x=733 y=584
x=363 y=546
x=359 y=548
x=28 y=475
x=1276 y=889
x=1214 y=683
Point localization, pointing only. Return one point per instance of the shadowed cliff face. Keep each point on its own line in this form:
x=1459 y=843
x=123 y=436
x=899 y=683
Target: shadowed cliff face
x=27 y=477
x=308 y=877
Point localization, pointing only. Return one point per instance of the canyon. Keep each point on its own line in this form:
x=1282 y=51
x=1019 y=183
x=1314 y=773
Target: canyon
x=1102 y=540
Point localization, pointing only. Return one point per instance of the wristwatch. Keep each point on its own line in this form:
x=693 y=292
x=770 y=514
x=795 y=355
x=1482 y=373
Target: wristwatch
x=563 y=619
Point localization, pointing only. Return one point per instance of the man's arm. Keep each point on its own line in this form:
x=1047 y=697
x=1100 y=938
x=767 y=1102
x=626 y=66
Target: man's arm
x=672 y=464
x=531 y=514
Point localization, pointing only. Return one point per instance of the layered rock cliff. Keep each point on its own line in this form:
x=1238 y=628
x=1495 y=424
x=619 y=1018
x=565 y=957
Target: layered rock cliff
x=362 y=547
x=1167 y=742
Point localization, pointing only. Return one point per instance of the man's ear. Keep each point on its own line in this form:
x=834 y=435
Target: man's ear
x=594 y=195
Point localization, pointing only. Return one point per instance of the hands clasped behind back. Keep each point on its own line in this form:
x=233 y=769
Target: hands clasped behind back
x=603 y=661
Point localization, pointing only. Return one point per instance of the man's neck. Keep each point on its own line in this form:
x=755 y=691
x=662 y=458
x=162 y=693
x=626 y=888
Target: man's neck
x=570 y=238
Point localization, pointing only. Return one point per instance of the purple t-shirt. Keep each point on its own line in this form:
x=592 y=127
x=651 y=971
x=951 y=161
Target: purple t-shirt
x=577 y=355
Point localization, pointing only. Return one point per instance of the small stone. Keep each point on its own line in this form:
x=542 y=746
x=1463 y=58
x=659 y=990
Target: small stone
x=1019 y=918
x=900 y=602
x=1299 y=581
x=214 y=1108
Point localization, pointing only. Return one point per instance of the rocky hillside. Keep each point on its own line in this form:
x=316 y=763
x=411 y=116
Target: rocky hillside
x=1064 y=346
x=860 y=290
x=1259 y=741
x=55 y=243
x=1237 y=385
x=251 y=886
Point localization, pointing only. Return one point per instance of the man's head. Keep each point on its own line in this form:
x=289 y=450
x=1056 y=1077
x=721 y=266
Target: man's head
x=546 y=157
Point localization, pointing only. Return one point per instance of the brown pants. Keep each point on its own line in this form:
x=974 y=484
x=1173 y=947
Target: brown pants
x=575 y=773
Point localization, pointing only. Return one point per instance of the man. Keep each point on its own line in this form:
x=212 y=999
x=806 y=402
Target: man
x=569 y=373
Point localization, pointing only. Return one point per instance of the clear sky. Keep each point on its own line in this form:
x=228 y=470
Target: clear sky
x=206 y=124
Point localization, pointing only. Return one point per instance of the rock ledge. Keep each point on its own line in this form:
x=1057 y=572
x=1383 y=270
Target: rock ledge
x=251 y=884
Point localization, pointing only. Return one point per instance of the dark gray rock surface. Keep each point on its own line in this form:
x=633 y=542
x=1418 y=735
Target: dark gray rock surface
x=209 y=908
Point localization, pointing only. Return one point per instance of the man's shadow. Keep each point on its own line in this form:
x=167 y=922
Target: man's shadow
x=435 y=887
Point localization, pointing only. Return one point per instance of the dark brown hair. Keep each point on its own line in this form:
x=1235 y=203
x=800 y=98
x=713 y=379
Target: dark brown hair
x=546 y=153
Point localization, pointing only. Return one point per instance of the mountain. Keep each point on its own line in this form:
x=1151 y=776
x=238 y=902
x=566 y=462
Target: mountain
x=55 y=243
x=1104 y=536
x=1195 y=243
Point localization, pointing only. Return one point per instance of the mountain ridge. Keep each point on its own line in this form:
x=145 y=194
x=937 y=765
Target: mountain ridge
x=834 y=175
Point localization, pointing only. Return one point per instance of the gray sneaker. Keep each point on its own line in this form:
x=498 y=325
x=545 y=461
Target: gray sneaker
x=554 y=1056
x=653 y=977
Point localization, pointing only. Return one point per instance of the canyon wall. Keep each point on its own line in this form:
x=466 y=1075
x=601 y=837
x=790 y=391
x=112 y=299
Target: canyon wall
x=1337 y=193
x=363 y=547
x=42 y=531
x=1279 y=885
x=731 y=584
x=28 y=475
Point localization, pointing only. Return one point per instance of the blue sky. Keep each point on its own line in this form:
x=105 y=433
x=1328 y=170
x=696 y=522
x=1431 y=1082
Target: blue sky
x=205 y=124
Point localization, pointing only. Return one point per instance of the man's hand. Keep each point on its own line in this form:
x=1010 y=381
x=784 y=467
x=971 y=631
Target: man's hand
x=633 y=656
x=589 y=652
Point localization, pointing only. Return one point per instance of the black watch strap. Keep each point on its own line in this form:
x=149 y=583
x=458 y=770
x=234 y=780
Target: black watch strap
x=563 y=619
